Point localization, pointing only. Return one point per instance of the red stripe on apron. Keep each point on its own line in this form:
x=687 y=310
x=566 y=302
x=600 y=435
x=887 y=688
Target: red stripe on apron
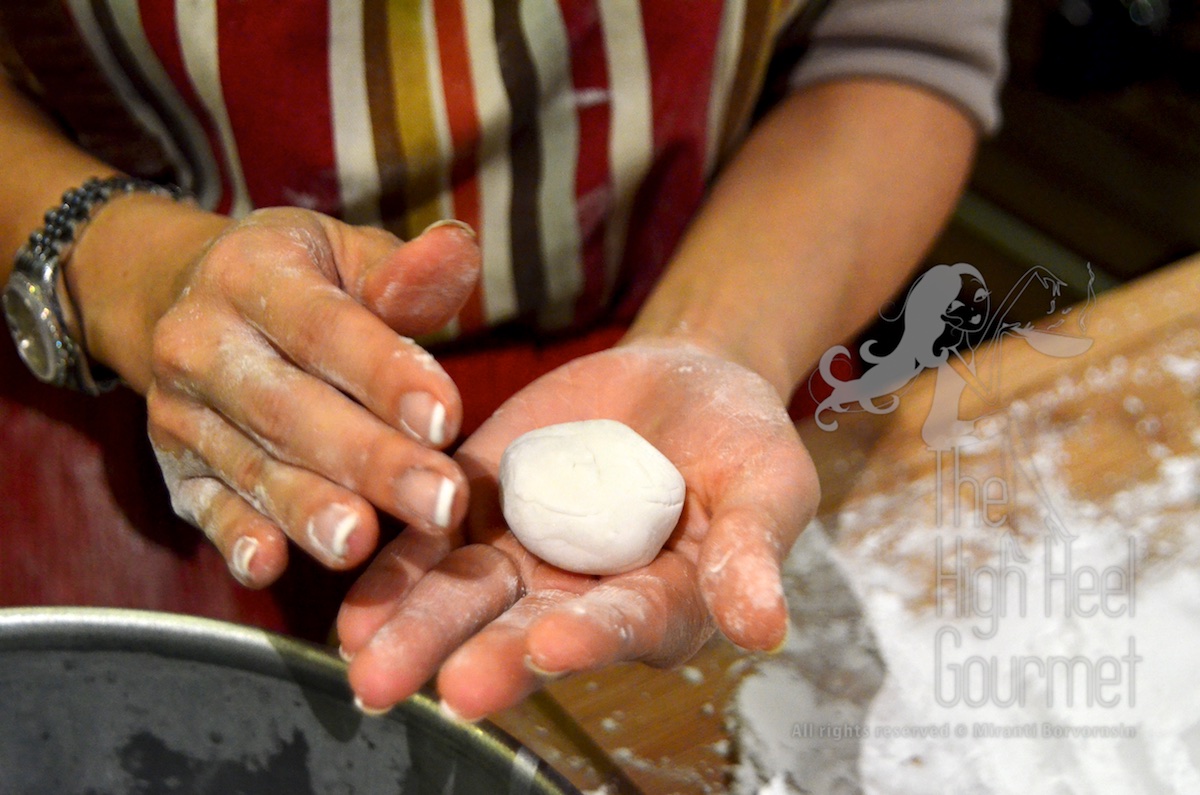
x=681 y=60
x=275 y=80
x=463 y=120
x=593 y=188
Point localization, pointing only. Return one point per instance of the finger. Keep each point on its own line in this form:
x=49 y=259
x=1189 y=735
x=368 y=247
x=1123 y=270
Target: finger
x=416 y=287
x=419 y=286
x=254 y=549
x=303 y=421
x=467 y=590
x=324 y=331
x=376 y=596
x=755 y=520
x=742 y=581
x=655 y=615
x=491 y=671
x=331 y=523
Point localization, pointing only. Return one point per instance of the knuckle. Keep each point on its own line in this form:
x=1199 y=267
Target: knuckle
x=228 y=264
x=174 y=354
x=162 y=419
x=247 y=471
x=274 y=243
x=327 y=316
x=234 y=262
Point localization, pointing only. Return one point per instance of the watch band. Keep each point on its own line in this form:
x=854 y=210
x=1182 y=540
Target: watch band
x=36 y=283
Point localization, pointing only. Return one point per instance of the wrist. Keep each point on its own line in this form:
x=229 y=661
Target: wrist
x=749 y=341
x=126 y=270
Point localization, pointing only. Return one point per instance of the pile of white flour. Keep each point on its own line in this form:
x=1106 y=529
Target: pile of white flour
x=880 y=689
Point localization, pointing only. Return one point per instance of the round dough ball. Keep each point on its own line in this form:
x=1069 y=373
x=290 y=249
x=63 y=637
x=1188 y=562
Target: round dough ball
x=591 y=497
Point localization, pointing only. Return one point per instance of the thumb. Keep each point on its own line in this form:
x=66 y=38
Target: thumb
x=756 y=518
x=417 y=286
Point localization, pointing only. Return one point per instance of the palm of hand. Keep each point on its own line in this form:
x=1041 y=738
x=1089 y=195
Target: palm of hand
x=750 y=490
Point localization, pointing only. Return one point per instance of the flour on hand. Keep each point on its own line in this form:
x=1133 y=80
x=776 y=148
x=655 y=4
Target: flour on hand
x=591 y=497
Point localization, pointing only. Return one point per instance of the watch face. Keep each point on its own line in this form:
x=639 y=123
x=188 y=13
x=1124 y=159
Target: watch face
x=27 y=315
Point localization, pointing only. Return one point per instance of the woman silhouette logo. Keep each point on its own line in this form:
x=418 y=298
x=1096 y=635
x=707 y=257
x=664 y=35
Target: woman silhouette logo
x=946 y=316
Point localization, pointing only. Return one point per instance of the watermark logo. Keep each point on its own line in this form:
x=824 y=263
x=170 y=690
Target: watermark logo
x=995 y=575
x=946 y=316
x=1003 y=587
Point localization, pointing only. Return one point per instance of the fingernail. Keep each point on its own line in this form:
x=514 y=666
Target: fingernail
x=429 y=494
x=330 y=531
x=345 y=655
x=542 y=674
x=449 y=712
x=424 y=417
x=374 y=712
x=241 y=556
x=454 y=222
x=782 y=644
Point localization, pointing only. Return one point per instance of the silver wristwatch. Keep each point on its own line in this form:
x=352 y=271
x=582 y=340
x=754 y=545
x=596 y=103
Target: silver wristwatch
x=36 y=291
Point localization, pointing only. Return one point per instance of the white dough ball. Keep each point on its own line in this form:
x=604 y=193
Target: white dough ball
x=591 y=497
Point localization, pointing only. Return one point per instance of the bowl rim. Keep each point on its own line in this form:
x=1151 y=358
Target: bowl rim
x=251 y=649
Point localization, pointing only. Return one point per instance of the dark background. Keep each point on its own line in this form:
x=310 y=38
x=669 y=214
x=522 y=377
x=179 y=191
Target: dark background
x=1098 y=160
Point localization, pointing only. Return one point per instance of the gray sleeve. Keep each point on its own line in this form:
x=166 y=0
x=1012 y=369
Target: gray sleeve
x=956 y=48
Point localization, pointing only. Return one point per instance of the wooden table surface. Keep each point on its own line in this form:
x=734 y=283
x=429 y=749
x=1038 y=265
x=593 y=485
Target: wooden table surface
x=1115 y=414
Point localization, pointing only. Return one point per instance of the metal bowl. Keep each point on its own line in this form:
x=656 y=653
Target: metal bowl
x=121 y=701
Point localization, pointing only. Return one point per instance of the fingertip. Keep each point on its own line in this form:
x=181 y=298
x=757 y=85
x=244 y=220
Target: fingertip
x=377 y=685
x=352 y=630
x=253 y=547
x=413 y=393
x=363 y=541
x=767 y=630
x=373 y=712
x=484 y=677
x=431 y=497
x=566 y=641
x=257 y=557
x=464 y=694
x=342 y=533
x=779 y=645
x=453 y=500
x=419 y=286
x=431 y=420
x=540 y=673
x=747 y=599
x=366 y=608
x=453 y=715
x=451 y=224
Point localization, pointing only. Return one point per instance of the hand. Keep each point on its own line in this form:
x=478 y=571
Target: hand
x=284 y=402
x=497 y=620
